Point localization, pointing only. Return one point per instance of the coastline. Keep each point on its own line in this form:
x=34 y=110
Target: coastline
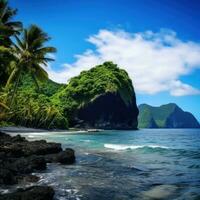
x=21 y=129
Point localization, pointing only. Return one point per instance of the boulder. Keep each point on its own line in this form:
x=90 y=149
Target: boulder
x=31 y=193
x=64 y=157
x=19 y=157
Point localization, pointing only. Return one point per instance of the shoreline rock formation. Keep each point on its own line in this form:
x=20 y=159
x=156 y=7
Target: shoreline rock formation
x=20 y=157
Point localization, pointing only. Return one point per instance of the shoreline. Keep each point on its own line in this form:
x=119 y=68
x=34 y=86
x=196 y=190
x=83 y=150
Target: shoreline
x=21 y=129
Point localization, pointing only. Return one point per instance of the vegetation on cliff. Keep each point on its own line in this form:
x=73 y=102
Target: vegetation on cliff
x=24 y=99
x=85 y=88
x=165 y=116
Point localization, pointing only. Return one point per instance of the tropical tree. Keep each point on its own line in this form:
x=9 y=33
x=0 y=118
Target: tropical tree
x=31 y=55
x=8 y=27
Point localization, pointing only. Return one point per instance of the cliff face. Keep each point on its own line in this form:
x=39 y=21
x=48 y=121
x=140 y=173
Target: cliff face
x=165 y=116
x=108 y=111
x=102 y=97
x=180 y=119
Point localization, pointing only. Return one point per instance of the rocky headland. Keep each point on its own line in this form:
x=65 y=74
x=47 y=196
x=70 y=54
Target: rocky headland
x=102 y=97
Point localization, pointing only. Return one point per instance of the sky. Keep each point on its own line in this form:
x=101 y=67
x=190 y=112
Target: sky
x=156 y=41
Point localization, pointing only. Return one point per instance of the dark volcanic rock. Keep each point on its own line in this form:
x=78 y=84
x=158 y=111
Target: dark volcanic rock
x=32 y=193
x=19 y=157
x=29 y=178
x=7 y=176
x=64 y=157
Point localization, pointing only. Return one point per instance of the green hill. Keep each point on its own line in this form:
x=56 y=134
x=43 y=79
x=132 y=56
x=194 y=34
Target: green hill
x=102 y=97
x=165 y=116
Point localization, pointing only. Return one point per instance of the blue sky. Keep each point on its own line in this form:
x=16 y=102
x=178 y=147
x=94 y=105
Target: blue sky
x=160 y=33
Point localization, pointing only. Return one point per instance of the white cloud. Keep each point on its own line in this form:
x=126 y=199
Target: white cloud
x=155 y=61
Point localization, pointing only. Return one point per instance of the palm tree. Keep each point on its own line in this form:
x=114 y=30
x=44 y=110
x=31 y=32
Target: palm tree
x=8 y=27
x=31 y=55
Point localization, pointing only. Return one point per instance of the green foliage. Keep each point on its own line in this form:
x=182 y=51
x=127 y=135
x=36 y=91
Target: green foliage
x=90 y=84
x=30 y=54
x=33 y=109
x=21 y=68
x=8 y=27
x=159 y=114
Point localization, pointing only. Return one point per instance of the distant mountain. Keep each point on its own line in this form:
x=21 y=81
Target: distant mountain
x=165 y=116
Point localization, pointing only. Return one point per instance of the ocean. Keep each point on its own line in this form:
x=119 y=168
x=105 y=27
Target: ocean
x=125 y=165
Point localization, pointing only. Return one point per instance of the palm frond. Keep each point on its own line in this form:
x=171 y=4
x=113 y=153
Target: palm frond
x=40 y=73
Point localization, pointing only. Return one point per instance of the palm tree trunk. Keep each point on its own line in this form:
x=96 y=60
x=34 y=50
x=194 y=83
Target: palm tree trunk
x=15 y=90
x=36 y=83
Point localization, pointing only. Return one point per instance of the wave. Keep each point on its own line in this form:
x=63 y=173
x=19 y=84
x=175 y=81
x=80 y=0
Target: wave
x=85 y=140
x=119 y=147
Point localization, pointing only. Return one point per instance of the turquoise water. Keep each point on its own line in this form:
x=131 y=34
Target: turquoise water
x=120 y=165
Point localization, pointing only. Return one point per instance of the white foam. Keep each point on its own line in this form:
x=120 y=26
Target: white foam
x=125 y=147
x=85 y=140
x=37 y=133
x=31 y=136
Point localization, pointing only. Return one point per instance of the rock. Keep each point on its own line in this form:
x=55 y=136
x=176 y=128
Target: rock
x=108 y=111
x=7 y=177
x=12 y=168
x=19 y=157
x=66 y=157
x=32 y=193
x=41 y=147
x=18 y=138
x=18 y=146
x=30 y=178
x=26 y=165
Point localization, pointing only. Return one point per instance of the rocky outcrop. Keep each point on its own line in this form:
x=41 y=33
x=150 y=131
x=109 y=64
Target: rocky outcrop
x=19 y=158
x=102 y=97
x=166 y=116
x=31 y=193
x=64 y=157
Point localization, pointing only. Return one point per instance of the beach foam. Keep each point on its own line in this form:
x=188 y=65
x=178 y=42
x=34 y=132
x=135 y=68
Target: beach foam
x=119 y=147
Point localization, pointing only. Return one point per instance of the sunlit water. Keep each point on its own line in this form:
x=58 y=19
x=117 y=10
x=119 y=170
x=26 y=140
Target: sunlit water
x=124 y=165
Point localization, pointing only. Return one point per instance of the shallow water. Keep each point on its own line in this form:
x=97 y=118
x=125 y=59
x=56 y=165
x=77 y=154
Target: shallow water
x=120 y=165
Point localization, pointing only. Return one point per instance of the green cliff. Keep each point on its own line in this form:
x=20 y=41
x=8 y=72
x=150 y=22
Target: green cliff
x=165 y=116
x=102 y=97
